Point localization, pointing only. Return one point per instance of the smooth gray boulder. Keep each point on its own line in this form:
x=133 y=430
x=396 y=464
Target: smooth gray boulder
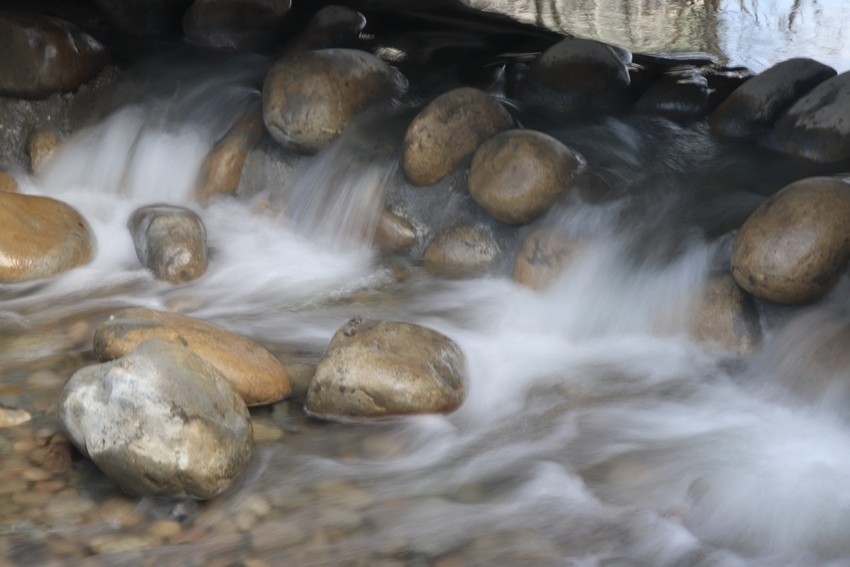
x=170 y=241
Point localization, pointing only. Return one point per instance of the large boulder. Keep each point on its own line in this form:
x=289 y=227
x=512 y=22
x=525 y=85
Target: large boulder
x=518 y=174
x=221 y=171
x=448 y=131
x=722 y=313
x=379 y=368
x=309 y=98
x=817 y=127
x=795 y=245
x=578 y=73
x=754 y=106
x=44 y=55
x=254 y=372
x=159 y=422
x=460 y=252
x=235 y=24
x=40 y=237
x=170 y=241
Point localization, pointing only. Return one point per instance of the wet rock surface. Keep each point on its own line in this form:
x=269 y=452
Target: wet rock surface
x=170 y=241
x=726 y=315
x=544 y=253
x=461 y=251
x=221 y=171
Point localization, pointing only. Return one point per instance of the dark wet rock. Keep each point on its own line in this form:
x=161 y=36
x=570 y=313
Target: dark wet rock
x=332 y=26
x=578 y=73
x=393 y=233
x=794 y=246
x=517 y=175
x=44 y=55
x=461 y=251
x=726 y=315
x=254 y=372
x=722 y=81
x=682 y=93
x=143 y=17
x=221 y=171
x=41 y=147
x=817 y=127
x=380 y=368
x=8 y=184
x=235 y=24
x=40 y=237
x=544 y=254
x=160 y=421
x=310 y=98
x=445 y=134
x=170 y=241
x=754 y=106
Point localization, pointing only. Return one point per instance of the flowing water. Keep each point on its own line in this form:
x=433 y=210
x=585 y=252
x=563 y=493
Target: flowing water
x=595 y=431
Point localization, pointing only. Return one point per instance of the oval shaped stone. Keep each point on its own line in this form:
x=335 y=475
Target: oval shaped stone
x=382 y=368
x=254 y=372
x=448 y=131
x=795 y=245
x=309 y=98
x=518 y=174
x=40 y=237
x=170 y=241
x=461 y=251
x=724 y=314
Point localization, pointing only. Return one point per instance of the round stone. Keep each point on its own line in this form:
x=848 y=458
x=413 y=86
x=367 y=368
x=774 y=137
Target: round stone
x=461 y=251
x=726 y=315
x=170 y=241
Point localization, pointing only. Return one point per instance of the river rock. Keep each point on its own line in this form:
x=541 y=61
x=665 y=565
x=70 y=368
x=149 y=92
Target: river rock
x=235 y=24
x=143 y=17
x=393 y=233
x=310 y=98
x=754 y=106
x=41 y=147
x=7 y=183
x=160 y=421
x=817 y=127
x=726 y=315
x=448 y=131
x=44 y=55
x=40 y=237
x=682 y=94
x=170 y=241
x=795 y=245
x=221 y=171
x=381 y=368
x=461 y=251
x=517 y=175
x=544 y=253
x=254 y=372
x=578 y=73
x=332 y=26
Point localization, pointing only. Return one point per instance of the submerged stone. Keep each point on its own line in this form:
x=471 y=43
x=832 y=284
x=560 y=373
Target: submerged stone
x=170 y=241
x=724 y=314
x=543 y=255
x=221 y=171
x=460 y=252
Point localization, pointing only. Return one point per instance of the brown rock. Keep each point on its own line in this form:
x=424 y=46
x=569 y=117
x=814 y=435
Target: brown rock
x=795 y=245
x=40 y=237
x=726 y=315
x=518 y=174
x=377 y=368
x=254 y=372
x=543 y=255
x=461 y=251
x=7 y=183
x=235 y=24
x=170 y=241
x=11 y=417
x=44 y=55
x=309 y=98
x=393 y=233
x=448 y=131
x=41 y=147
x=221 y=171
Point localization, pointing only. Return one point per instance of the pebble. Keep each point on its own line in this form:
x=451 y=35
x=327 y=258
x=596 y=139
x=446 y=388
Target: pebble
x=266 y=433
x=116 y=543
x=12 y=484
x=33 y=474
x=52 y=485
x=67 y=505
x=31 y=499
x=165 y=529
x=118 y=511
x=10 y=417
x=44 y=379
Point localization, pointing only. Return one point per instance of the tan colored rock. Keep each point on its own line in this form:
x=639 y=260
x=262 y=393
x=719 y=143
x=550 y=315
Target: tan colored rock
x=40 y=237
x=221 y=171
x=10 y=417
x=309 y=98
x=725 y=314
x=378 y=368
x=518 y=174
x=795 y=245
x=448 y=131
x=543 y=255
x=393 y=233
x=170 y=241
x=7 y=183
x=461 y=251
x=254 y=372
x=41 y=147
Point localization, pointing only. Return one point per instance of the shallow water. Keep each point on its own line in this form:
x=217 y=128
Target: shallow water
x=595 y=432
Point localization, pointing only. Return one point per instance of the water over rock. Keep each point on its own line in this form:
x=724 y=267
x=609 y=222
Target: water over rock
x=8 y=184
x=332 y=26
x=724 y=314
x=160 y=421
x=40 y=237
x=393 y=233
x=795 y=245
x=221 y=171
x=518 y=174
x=817 y=127
x=382 y=368
x=461 y=251
x=170 y=241
x=682 y=93
x=448 y=131
x=235 y=24
x=41 y=147
x=754 y=106
x=309 y=98
x=44 y=55
x=544 y=253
